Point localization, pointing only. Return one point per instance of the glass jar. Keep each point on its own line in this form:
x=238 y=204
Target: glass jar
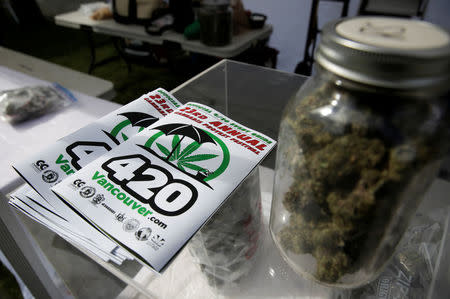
x=358 y=147
x=215 y=18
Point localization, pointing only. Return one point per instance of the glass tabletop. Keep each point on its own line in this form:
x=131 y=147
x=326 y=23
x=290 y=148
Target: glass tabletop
x=255 y=97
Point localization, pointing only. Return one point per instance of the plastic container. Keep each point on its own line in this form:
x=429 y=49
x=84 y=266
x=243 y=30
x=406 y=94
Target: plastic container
x=359 y=145
x=226 y=246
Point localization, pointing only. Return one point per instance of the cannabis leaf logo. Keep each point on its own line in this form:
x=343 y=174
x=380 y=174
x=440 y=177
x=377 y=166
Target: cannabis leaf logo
x=190 y=155
x=185 y=158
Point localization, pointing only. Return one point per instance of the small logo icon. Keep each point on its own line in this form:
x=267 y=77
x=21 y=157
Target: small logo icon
x=97 y=199
x=78 y=184
x=40 y=165
x=120 y=217
x=131 y=225
x=50 y=176
x=158 y=240
x=143 y=234
x=87 y=191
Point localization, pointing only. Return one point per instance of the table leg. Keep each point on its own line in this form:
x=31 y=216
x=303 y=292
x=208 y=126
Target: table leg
x=93 y=63
x=116 y=42
x=92 y=49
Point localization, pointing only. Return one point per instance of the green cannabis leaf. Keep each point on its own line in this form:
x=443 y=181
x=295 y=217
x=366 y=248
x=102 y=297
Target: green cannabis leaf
x=163 y=149
x=180 y=166
x=176 y=153
x=196 y=158
x=189 y=149
x=194 y=167
x=185 y=158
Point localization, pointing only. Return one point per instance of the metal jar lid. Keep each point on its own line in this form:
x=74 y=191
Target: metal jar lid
x=387 y=52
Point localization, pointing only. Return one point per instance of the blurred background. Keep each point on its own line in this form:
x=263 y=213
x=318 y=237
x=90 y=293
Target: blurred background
x=28 y=26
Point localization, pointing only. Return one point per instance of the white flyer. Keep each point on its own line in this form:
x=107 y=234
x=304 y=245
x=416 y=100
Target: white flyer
x=152 y=193
x=28 y=202
x=69 y=154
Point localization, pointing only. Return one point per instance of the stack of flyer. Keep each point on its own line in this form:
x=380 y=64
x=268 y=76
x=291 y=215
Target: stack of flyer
x=141 y=181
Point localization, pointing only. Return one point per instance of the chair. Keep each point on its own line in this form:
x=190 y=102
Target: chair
x=305 y=66
x=397 y=8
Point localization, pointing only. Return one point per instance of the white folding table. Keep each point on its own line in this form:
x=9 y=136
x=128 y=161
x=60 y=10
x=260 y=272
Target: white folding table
x=239 y=43
x=18 y=141
x=48 y=71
